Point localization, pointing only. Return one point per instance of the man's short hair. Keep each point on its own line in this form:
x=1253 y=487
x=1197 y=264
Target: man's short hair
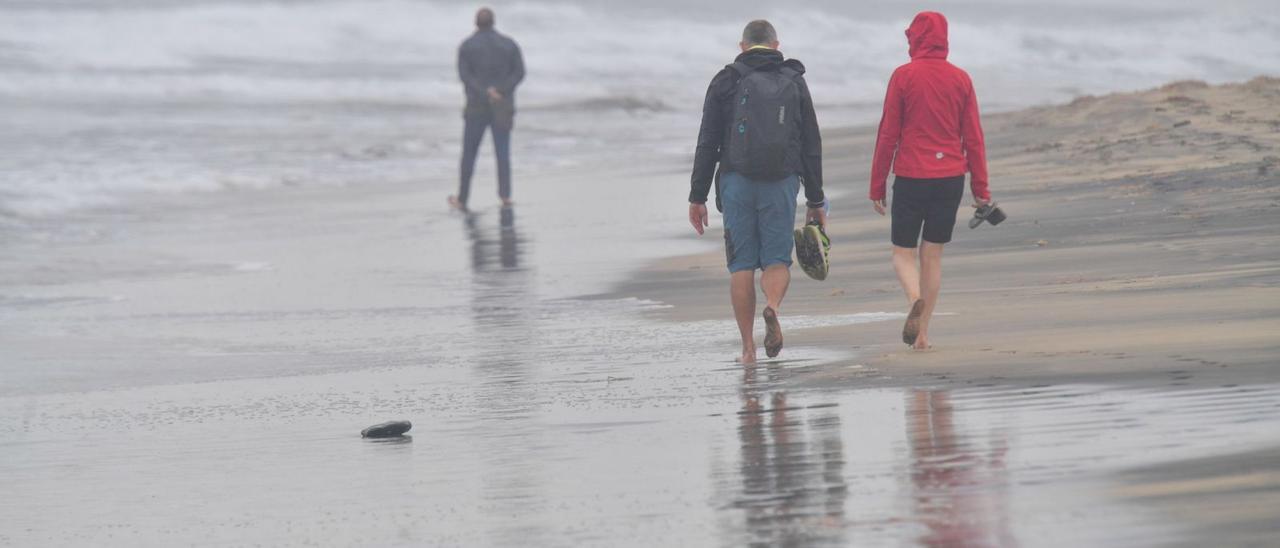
x=484 y=18
x=759 y=33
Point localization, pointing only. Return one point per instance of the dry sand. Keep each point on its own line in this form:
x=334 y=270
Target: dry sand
x=1142 y=240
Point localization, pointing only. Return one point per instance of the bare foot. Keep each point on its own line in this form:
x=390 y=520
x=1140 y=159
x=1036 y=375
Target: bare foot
x=922 y=343
x=772 y=333
x=748 y=356
x=506 y=202
x=911 y=330
x=457 y=205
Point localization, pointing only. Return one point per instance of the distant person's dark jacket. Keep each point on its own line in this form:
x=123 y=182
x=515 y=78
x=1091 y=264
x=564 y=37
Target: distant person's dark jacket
x=717 y=117
x=488 y=59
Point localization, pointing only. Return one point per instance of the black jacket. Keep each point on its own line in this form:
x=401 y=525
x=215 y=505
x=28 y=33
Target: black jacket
x=488 y=59
x=717 y=116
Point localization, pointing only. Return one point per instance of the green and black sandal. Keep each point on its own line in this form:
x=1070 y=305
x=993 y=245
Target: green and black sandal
x=813 y=248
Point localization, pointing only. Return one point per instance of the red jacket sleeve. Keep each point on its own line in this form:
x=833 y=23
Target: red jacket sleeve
x=886 y=139
x=975 y=148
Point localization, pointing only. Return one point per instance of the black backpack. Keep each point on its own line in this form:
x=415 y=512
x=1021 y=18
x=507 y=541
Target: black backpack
x=764 y=138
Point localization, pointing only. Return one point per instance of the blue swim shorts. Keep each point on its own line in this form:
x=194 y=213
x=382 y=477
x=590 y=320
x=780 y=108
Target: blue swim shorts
x=759 y=217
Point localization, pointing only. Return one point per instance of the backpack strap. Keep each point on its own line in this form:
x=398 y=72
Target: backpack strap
x=739 y=67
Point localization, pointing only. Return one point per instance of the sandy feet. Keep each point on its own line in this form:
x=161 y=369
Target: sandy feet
x=772 y=333
x=922 y=344
x=911 y=329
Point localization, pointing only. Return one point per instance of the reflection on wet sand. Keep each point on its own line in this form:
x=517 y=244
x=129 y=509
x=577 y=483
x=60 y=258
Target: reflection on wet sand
x=793 y=488
x=959 y=493
x=505 y=327
x=488 y=252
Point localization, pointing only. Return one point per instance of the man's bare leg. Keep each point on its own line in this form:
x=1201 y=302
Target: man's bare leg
x=742 y=291
x=930 y=286
x=774 y=283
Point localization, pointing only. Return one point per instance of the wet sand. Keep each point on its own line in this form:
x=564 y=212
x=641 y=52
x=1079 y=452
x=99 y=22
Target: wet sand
x=1142 y=252
x=197 y=372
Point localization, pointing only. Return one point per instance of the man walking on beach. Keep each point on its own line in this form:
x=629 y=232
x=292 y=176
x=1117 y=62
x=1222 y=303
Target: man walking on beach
x=490 y=67
x=931 y=134
x=758 y=124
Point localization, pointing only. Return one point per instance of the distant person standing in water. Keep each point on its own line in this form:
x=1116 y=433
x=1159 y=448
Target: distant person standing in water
x=758 y=124
x=931 y=135
x=490 y=67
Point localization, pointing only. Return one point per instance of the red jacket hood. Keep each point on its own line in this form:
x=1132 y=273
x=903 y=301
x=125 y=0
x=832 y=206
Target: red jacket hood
x=928 y=36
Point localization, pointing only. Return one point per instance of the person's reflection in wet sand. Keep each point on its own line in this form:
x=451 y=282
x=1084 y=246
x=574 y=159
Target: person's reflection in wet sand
x=959 y=493
x=793 y=489
x=503 y=312
x=485 y=258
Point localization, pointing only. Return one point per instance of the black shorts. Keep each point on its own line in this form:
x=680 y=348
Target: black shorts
x=927 y=203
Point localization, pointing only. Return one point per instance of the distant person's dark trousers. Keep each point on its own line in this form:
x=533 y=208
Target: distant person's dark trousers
x=476 y=124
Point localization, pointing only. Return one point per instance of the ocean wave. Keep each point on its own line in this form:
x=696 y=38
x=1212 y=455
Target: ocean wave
x=623 y=103
x=404 y=50
x=82 y=65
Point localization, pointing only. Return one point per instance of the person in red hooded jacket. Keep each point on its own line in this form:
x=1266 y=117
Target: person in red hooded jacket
x=931 y=135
